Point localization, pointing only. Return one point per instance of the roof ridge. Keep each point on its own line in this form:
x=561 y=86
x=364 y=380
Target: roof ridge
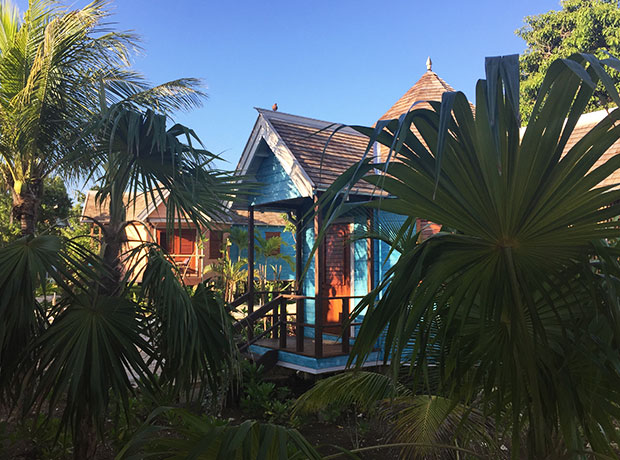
x=309 y=122
x=273 y=113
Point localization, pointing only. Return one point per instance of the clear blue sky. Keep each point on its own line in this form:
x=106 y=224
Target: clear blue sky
x=342 y=61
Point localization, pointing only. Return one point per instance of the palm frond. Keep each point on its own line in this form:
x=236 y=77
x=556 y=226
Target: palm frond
x=94 y=348
x=192 y=331
x=26 y=265
x=360 y=388
x=201 y=438
x=503 y=301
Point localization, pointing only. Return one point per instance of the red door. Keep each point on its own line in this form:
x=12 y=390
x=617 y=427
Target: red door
x=337 y=275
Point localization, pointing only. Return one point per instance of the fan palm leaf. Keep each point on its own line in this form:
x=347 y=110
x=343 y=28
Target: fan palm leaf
x=519 y=300
x=26 y=265
x=209 y=439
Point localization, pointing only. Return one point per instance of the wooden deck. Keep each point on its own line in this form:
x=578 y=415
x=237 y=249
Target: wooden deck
x=330 y=347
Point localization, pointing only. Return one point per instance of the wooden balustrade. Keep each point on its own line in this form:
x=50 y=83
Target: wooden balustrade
x=277 y=328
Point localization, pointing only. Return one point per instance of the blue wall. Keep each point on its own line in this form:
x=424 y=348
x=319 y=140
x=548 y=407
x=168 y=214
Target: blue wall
x=381 y=250
x=275 y=183
x=287 y=249
x=308 y=281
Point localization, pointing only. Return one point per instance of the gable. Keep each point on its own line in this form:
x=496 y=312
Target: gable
x=274 y=182
x=266 y=155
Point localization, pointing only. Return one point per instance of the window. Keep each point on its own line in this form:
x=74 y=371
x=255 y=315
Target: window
x=182 y=243
x=215 y=244
x=269 y=235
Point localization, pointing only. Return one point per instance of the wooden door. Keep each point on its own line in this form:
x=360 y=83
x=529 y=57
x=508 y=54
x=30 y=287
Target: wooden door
x=337 y=273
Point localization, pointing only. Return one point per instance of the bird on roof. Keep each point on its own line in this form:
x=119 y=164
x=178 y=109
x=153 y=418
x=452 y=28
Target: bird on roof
x=274 y=107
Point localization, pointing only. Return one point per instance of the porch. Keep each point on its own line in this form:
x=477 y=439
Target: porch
x=279 y=327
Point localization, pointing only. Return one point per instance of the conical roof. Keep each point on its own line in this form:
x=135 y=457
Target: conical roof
x=428 y=88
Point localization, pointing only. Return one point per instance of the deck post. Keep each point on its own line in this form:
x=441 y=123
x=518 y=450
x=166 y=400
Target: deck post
x=299 y=303
x=299 y=330
x=346 y=329
x=274 y=320
x=283 y=323
x=371 y=253
x=250 y=264
x=319 y=271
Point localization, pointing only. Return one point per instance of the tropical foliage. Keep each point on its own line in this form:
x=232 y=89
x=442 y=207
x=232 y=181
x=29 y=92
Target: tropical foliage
x=580 y=26
x=270 y=250
x=105 y=336
x=229 y=273
x=201 y=438
x=515 y=300
x=421 y=425
x=51 y=64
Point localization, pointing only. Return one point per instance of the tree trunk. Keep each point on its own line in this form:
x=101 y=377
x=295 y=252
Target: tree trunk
x=26 y=205
x=85 y=440
x=111 y=251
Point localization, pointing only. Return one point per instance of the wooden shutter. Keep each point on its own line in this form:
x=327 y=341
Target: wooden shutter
x=187 y=241
x=162 y=239
x=215 y=244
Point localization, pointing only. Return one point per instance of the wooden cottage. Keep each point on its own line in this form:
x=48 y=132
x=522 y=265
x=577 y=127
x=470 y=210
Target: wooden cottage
x=192 y=249
x=295 y=159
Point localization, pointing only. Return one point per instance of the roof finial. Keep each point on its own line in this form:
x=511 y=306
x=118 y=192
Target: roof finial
x=429 y=64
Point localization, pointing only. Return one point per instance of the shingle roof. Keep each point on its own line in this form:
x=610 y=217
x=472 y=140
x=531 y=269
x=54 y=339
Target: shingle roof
x=260 y=218
x=323 y=155
x=98 y=211
x=94 y=210
x=428 y=88
x=584 y=125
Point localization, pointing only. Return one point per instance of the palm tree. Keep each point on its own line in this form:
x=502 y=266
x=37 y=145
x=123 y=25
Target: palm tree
x=53 y=64
x=51 y=61
x=102 y=340
x=239 y=237
x=515 y=301
x=230 y=273
x=270 y=248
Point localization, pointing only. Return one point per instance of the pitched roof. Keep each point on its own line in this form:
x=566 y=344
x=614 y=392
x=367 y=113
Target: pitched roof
x=428 y=88
x=584 y=125
x=273 y=219
x=94 y=210
x=323 y=149
x=99 y=211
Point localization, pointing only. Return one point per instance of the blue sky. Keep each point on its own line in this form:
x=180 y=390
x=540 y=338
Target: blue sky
x=342 y=61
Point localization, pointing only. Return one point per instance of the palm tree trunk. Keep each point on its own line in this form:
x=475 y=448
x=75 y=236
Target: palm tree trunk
x=111 y=250
x=85 y=441
x=26 y=204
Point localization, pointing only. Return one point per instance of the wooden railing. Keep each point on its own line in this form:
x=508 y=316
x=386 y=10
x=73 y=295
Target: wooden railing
x=277 y=312
x=184 y=262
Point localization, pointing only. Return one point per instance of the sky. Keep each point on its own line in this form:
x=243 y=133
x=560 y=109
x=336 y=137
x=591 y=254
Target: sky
x=340 y=60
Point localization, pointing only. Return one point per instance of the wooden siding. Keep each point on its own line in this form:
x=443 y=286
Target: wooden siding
x=361 y=278
x=276 y=184
x=308 y=286
x=382 y=263
x=337 y=273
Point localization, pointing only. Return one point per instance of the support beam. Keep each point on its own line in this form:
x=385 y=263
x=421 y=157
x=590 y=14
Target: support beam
x=319 y=274
x=250 y=264
x=371 y=253
x=299 y=261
